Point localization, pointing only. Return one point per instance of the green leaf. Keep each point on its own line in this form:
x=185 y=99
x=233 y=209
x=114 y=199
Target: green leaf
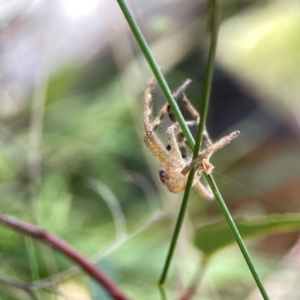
x=214 y=237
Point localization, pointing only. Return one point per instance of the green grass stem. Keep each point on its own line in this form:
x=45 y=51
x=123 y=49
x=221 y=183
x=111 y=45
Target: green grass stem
x=162 y=293
x=156 y=70
x=214 y=22
x=178 y=225
x=208 y=76
x=236 y=234
x=203 y=115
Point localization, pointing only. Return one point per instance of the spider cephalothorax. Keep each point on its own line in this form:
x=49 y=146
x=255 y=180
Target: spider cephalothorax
x=173 y=158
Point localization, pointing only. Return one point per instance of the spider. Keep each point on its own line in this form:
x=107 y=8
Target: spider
x=174 y=160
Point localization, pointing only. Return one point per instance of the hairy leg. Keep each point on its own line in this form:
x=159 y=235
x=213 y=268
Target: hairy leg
x=151 y=140
x=202 y=160
x=171 y=134
x=177 y=95
x=203 y=191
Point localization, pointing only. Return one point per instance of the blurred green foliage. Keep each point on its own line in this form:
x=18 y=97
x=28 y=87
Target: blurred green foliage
x=90 y=132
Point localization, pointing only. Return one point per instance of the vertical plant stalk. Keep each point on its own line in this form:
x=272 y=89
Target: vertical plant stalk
x=208 y=75
x=177 y=227
x=162 y=293
x=71 y=253
x=203 y=115
x=35 y=138
x=38 y=110
x=31 y=252
x=37 y=114
x=204 y=107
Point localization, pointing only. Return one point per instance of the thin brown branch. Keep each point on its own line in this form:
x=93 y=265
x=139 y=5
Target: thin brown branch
x=101 y=255
x=60 y=245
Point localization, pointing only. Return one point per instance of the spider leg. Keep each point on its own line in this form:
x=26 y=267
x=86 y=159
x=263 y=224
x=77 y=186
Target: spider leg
x=202 y=160
x=194 y=113
x=159 y=117
x=182 y=143
x=181 y=140
x=177 y=95
x=203 y=191
x=171 y=135
x=151 y=140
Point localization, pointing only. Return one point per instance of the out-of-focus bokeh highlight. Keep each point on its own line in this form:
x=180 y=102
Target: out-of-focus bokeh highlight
x=73 y=161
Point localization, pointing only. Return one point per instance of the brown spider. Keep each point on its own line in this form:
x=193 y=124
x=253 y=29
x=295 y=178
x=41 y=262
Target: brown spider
x=173 y=158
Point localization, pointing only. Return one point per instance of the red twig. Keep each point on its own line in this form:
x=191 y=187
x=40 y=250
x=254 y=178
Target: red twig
x=63 y=247
x=187 y=295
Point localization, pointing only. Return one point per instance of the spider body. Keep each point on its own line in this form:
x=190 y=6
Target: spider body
x=173 y=158
x=171 y=175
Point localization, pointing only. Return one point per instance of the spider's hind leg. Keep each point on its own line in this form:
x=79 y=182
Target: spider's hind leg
x=206 y=193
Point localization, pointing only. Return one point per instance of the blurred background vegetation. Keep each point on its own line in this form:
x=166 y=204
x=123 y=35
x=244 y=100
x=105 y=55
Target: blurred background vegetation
x=72 y=158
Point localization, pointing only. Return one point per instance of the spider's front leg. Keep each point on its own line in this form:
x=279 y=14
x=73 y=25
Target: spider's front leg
x=201 y=162
x=205 y=192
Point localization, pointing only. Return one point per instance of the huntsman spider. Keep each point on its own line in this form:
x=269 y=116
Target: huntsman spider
x=174 y=160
